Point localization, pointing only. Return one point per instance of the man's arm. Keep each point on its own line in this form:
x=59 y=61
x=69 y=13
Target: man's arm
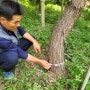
x=36 y=45
x=26 y=35
x=41 y=62
x=7 y=45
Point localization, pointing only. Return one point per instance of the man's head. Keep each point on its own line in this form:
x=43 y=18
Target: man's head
x=10 y=14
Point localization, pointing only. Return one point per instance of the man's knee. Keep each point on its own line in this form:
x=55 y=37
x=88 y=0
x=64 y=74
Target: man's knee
x=14 y=58
x=10 y=62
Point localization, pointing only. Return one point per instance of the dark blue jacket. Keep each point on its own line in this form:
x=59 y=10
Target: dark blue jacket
x=7 y=44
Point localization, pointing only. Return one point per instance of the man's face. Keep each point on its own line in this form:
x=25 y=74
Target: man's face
x=11 y=25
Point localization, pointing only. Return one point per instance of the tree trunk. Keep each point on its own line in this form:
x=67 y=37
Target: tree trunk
x=15 y=0
x=60 y=32
x=43 y=12
x=62 y=6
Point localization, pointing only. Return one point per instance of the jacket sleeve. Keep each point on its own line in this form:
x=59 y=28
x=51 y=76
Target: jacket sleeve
x=7 y=45
x=21 y=30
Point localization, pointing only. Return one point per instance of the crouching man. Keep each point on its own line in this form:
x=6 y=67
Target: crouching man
x=11 y=46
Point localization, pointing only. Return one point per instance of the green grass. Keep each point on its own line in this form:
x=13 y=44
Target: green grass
x=77 y=49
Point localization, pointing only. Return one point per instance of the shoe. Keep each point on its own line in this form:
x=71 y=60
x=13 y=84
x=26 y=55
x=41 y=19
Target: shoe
x=8 y=75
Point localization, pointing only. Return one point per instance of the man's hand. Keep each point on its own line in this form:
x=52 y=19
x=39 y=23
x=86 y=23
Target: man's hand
x=41 y=62
x=36 y=46
x=46 y=64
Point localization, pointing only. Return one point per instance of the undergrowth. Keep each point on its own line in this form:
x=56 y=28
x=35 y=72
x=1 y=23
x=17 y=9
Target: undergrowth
x=77 y=52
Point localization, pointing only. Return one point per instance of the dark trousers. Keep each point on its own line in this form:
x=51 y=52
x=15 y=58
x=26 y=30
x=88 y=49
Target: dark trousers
x=9 y=59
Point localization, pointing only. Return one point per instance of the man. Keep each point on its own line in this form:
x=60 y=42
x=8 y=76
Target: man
x=11 y=46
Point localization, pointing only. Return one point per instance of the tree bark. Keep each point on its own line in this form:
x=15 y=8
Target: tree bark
x=59 y=34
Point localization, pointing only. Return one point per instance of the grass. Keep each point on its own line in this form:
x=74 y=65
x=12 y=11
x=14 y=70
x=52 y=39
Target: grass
x=77 y=49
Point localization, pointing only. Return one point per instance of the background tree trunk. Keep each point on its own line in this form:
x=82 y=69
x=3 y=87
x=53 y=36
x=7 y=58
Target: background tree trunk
x=60 y=32
x=62 y=6
x=43 y=12
x=15 y=0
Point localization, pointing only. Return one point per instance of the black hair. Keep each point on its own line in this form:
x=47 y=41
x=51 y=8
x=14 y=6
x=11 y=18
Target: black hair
x=8 y=8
